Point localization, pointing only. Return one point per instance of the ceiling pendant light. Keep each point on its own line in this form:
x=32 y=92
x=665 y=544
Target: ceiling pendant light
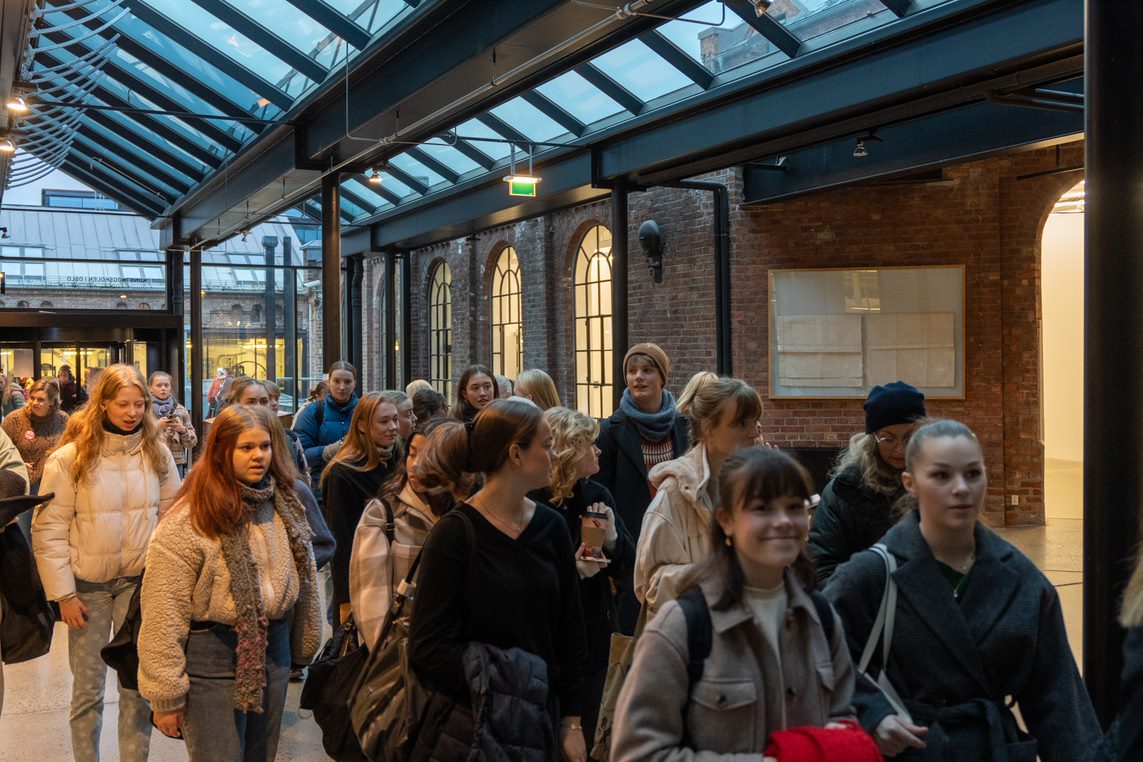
x=6 y=145
x=16 y=103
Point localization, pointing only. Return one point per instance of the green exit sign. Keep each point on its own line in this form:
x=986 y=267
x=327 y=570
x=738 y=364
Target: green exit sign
x=522 y=185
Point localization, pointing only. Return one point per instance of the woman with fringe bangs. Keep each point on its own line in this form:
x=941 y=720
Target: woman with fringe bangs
x=229 y=600
x=112 y=477
x=773 y=663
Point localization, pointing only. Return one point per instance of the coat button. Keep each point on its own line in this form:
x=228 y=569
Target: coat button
x=721 y=700
x=790 y=693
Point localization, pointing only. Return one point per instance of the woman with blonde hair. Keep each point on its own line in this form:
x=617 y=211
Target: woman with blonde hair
x=676 y=528
x=573 y=494
x=698 y=380
x=11 y=395
x=112 y=477
x=229 y=600
x=539 y=387
x=354 y=476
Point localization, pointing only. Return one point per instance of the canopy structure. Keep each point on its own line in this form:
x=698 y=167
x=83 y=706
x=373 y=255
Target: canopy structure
x=208 y=116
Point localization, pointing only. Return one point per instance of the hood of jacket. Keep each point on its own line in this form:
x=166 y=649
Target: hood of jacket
x=691 y=472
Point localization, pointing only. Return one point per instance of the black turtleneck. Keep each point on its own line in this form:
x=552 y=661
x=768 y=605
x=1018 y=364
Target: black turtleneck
x=111 y=428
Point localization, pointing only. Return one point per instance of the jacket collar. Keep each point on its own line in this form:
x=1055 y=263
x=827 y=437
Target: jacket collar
x=415 y=503
x=122 y=444
x=725 y=619
x=626 y=436
x=691 y=472
x=960 y=627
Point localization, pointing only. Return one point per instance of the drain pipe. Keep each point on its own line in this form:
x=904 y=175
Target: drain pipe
x=724 y=363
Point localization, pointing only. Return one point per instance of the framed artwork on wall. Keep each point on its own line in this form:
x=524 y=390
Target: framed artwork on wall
x=837 y=333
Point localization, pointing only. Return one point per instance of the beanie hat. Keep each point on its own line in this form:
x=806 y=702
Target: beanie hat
x=656 y=355
x=891 y=404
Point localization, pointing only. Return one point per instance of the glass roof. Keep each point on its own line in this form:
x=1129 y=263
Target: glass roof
x=153 y=64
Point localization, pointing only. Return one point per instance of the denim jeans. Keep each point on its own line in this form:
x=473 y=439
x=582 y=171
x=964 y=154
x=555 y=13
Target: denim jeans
x=106 y=604
x=214 y=730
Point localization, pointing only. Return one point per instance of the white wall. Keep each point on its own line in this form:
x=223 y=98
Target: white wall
x=1062 y=291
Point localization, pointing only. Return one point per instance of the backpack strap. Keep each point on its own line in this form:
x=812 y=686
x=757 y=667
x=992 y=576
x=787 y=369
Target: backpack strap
x=390 y=522
x=697 y=616
x=319 y=416
x=825 y=614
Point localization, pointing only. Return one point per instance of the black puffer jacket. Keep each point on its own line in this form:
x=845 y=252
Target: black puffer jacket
x=850 y=518
x=509 y=690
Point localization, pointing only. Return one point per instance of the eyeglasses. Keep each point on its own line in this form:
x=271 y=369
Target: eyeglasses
x=891 y=441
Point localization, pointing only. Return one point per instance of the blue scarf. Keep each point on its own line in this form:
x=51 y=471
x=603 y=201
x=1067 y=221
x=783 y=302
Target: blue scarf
x=653 y=427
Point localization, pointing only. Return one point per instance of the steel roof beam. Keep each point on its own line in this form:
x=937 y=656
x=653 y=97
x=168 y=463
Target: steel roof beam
x=397 y=173
x=96 y=143
x=145 y=146
x=276 y=46
x=433 y=163
x=553 y=111
x=112 y=188
x=503 y=129
x=687 y=66
x=766 y=26
x=209 y=54
x=385 y=193
x=335 y=21
x=85 y=152
x=899 y=7
x=612 y=89
x=485 y=161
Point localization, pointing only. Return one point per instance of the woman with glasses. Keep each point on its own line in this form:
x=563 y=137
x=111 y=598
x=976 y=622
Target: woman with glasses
x=856 y=507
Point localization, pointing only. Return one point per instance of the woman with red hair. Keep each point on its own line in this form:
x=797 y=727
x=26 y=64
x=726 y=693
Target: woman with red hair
x=229 y=599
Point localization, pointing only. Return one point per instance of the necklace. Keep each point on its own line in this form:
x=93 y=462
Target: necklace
x=515 y=528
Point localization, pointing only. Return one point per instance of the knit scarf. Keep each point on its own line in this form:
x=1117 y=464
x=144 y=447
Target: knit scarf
x=653 y=427
x=162 y=408
x=252 y=625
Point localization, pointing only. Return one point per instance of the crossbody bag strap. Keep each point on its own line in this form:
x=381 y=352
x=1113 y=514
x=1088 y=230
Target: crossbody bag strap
x=890 y=606
x=879 y=622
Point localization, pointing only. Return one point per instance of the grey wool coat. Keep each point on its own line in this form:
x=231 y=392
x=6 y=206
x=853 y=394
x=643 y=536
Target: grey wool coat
x=955 y=662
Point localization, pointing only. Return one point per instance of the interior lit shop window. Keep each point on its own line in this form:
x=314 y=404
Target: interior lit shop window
x=440 y=330
x=507 y=319
x=593 y=377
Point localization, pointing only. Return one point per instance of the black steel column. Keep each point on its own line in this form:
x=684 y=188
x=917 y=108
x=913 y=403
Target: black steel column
x=196 y=358
x=330 y=269
x=619 y=225
x=270 y=243
x=354 y=336
x=406 y=320
x=290 y=318
x=390 y=348
x=1113 y=335
x=174 y=355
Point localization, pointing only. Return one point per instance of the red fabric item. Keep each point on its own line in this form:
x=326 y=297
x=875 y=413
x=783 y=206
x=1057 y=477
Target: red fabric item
x=810 y=744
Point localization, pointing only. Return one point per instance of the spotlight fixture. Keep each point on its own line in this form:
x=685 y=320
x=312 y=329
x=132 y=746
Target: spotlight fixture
x=375 y=177
x=6 y=145
x=761 y=6
x=17 y=103
x=245 y=233
x=860 y=151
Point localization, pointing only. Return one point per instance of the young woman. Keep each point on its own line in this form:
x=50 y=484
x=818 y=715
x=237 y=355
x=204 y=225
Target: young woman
x=475 y=389
x=354 y=476
x=573 y=494
x=250 y=391
x=229 y=599
x=539 y=387
x=35 y=430
x=424 y=489
x=11 y=395
x=975 y=622
x=406 y=417
x=646 y=430
x=319 y=392
x=174 y=419
x=323 y=424
x=72 y=395
x=514 y=584
x=112 y=476
x=773 y=663
x=857 y=506
x=676 y=528
x=428 y=404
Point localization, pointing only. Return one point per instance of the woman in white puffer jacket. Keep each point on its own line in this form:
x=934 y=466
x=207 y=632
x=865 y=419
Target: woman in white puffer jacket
x=112 y=476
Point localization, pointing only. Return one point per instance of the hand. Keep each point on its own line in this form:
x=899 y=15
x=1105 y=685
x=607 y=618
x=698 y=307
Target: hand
x=74 y=613
x=572 y=744
x=587 y=568
x=170 y=723
x=180 y=429
x=612 y=535
x=894 y=735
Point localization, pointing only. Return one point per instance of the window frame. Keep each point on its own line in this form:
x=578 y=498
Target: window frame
x=440 y=329
x=593 y=390
x=506 y=297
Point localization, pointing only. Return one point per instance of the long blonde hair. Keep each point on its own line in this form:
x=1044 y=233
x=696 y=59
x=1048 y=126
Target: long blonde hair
x=358 y=452
x=571 y=430
x=85 y=427
x=863 y=455
x=539 y=386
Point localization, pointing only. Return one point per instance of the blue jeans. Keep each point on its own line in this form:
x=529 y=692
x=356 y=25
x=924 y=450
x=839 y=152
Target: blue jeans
x=213 y=728
x=106 y=604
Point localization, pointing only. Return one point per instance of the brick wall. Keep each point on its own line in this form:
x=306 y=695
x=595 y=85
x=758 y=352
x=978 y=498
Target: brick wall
x=987 y=215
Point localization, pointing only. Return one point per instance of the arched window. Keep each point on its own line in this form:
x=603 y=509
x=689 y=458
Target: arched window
x=440 y=330
x=507 y=319
x=593 y=377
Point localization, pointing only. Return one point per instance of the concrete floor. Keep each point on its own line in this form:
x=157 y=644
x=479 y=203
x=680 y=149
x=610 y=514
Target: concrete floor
x=35 y=720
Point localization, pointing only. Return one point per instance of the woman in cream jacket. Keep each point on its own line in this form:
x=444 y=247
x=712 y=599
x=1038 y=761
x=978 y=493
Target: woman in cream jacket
x=676 y=528
x=112 y=477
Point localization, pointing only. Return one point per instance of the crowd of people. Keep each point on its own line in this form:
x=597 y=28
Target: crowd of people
x=661 y=584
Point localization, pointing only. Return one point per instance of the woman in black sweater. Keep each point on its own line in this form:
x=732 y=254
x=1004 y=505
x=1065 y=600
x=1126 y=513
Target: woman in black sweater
x=515 y=583
x=354 y=477
x=573 y=494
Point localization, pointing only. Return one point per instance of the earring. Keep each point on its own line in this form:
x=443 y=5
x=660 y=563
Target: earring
x=729 y=544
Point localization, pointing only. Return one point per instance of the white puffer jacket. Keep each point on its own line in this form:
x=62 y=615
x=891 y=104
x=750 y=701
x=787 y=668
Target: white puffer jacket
x=99 y=529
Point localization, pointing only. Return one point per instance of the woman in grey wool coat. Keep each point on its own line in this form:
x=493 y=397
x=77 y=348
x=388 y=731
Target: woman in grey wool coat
x=977 y=628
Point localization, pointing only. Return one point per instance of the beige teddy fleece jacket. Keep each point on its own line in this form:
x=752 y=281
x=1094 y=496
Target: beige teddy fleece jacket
x=187 y=580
